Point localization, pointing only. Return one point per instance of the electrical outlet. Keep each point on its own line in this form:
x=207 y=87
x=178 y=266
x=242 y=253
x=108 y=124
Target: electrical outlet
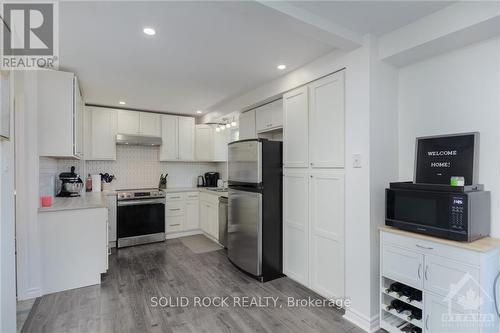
x=356 y=160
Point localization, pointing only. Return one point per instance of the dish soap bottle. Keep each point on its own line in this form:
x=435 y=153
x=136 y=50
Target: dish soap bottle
x=88 y=183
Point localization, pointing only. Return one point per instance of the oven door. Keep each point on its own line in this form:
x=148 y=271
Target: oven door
x=426 y=212
x=140 y=221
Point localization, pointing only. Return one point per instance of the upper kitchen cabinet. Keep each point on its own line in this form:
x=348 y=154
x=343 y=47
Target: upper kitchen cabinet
x=139 y=123
x=177 y=138
x=269 y=117
x=247 y=125
x=296 y=129
x=326 y=122
x=210 y=144
x=100 y=138
x=60 y=115
x=221 y=139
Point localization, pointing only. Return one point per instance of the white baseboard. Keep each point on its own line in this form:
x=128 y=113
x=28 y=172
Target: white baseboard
x=365 y=323
x=183 y=234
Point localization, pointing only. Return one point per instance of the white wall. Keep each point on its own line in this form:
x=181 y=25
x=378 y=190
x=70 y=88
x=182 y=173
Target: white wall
x=452 y=93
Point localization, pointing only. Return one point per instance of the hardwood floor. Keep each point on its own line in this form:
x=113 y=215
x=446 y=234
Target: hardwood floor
x=122 y=303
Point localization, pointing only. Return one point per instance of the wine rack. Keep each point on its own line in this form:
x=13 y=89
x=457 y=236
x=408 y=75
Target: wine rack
x=408 y=303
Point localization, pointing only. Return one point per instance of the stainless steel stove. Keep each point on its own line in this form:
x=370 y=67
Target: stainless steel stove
x=140 y=216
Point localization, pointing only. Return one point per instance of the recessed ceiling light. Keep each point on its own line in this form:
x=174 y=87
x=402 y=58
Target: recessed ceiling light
x=122 y=103
x=281 y=67
x=149 y=31
x=199 y=111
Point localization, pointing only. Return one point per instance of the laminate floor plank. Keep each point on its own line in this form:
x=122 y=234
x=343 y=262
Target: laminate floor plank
x=123 y=301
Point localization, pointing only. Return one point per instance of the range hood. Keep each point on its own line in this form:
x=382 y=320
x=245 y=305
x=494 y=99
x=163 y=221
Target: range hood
x=137 y=140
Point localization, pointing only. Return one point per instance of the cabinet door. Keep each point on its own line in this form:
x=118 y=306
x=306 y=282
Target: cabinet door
x=221 y=140
x=186 y=138
x=441 y=316
x=247 y=125
x=326 y=252
x=295 y=128
x=102 y=134
x=326 y=115
x=440 y=274
x=169 y=138
x=204 y=143
x=150 y=124
x=263 y=118
x=205 y=216
x=213 y=212
x=78 y=120
x=174 y=223
x=277 y=113
x=192 y=215
x=403 y=265
x=296 y=225
x=128 y=122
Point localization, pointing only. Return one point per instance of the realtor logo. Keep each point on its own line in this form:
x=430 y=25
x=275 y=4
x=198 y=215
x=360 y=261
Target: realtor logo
x=29 y=32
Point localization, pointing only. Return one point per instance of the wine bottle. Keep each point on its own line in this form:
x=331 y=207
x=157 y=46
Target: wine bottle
x=396 y=305
x=395 y=287
x=415 y=314
x=416 y=295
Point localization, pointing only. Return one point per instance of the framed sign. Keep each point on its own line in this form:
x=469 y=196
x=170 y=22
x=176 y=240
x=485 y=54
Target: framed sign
x=439 y=158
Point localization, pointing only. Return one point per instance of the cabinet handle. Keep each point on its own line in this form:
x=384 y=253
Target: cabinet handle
x=175 y=197
x=419 y=270
x=425 y=273
x=311 y=176
x=192 y=196
x=174 y=225
x=172 y=209
x=424 y=247
x=427 y=322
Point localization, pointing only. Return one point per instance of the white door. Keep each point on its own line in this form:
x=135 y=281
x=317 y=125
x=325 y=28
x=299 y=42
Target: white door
x=102 y=134
x=326 y=126
x=221 y=140
x=192 y=215
x=403 y=265
x=150 y=124
x=295 y=128
x=128 y=122
x=326 y=251
x=169 y=137
x=296 y=225
x=186 y=138
x=443 y=317
x=247 y=125
x=204 y=143
x=263 y=118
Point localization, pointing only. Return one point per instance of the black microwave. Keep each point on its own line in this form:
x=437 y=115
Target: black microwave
x=455 y=213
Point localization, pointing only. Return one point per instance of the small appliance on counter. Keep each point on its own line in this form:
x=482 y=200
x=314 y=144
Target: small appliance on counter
x=162 y=185
x=211 y=179
x=444 y=201
x=70 y=183
x=201 y=181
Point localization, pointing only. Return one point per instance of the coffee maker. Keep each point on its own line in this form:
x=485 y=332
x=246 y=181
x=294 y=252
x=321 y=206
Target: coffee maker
x=71 y=184
x=211 y=179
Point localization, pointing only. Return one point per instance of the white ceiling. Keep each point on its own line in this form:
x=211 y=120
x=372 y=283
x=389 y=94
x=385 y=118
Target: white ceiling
x=203 y=52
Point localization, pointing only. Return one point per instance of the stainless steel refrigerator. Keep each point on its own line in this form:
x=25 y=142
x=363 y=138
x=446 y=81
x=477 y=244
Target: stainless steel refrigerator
x=255 y=207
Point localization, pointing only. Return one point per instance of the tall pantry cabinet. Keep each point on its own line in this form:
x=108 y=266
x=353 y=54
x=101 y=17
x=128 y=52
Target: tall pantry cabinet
x=313 y=185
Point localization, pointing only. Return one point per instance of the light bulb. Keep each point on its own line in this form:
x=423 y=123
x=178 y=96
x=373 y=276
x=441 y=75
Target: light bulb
x=233 y=123
x=228 y=125
x=217 y=129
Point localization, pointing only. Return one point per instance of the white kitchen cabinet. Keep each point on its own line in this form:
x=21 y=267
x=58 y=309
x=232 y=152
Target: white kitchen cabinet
x=403 y=265
x=186 y=138
x=204 y=142
x=221 y=139
x=111 y=205
x=192 y=214
x=129 y=122
x=296 y=129
x=296 y=225
x=101 y=134
x=326 y=251
x=247 y=125
x=182 y=213
x=169 y=149
x=326 y=122
x=60 y=117
x=209 y=215
x=438 y=319
x=150 y=124
x=269 y=117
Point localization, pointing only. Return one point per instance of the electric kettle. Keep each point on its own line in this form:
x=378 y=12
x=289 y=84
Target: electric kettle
x=201 y=181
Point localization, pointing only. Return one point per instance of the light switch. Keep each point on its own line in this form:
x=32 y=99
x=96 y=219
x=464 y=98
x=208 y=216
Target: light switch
x=356 y=160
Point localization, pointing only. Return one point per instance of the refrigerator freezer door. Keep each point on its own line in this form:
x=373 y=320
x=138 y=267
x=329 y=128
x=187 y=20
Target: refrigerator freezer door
x=244 y=246
x=245 y=162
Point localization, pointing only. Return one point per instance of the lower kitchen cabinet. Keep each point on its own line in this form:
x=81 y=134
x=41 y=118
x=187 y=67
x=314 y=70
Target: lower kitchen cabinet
x=181 y=212
x=192 y=214
x=209 y=214
x=455 y=281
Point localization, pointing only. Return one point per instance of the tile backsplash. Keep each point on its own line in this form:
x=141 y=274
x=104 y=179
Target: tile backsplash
x=139 y=167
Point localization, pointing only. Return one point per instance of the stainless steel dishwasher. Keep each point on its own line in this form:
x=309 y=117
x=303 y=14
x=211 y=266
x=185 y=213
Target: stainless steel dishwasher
x=223 y=221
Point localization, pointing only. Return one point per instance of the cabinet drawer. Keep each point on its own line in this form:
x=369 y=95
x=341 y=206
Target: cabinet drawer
x=210 y=198
x=403 y=265
x=174 y=196
x=175 y=208
x=191 y=195
x=441 y=275
x=174 y=224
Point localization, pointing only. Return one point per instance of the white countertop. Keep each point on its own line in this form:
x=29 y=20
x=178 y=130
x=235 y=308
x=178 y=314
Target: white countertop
x=194 y=189
x=84 y=201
